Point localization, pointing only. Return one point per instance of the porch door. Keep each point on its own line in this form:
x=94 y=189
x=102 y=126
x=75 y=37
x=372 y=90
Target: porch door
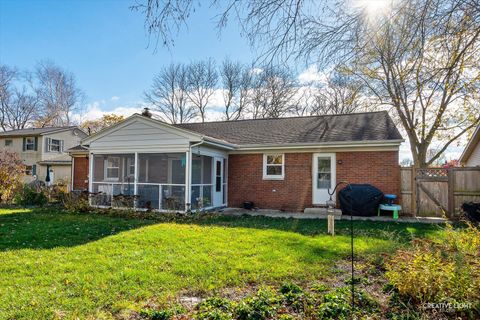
x=324 y=177
x=217 y=181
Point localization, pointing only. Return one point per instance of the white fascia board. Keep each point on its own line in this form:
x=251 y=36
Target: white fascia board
x=219 y=143
x=128 y=150
x=470 y=145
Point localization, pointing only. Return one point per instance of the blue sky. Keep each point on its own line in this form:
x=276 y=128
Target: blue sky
x=105 y=45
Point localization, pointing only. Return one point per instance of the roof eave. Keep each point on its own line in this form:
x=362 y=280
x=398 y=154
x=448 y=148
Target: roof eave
x=363 y=143
x=219 y=143
x=474 y=140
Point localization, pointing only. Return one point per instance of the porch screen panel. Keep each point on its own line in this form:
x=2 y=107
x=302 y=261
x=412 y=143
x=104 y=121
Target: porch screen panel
x=114 y=168
x=161 y=181
x=113 y=180
x=202 y=182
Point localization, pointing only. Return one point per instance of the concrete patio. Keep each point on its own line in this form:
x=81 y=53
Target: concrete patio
x=320 y=213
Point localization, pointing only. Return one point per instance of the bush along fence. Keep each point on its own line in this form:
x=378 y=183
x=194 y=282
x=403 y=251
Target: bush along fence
x=438 y=192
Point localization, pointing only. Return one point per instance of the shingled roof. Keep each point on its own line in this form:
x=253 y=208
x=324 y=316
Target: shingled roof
x=355 y=127
x=33 y=131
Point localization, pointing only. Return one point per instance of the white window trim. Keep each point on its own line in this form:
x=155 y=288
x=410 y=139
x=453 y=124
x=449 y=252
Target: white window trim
x=32 y=143
x=50 y=145
x=106 y=178
x=273 y=177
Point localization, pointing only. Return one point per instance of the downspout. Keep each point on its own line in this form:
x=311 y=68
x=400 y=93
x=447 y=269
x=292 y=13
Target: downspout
x=188 y=165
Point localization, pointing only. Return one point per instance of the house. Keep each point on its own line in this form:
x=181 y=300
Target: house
x=42 y=148
x=471 y=154
x=285 y=163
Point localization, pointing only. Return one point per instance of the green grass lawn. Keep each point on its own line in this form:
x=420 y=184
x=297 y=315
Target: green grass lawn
x=54 y=264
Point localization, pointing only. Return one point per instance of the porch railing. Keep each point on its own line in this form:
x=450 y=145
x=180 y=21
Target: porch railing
x=201 y=195
x=150 y=196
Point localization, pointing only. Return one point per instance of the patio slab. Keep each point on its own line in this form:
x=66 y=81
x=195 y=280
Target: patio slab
x=319 y=214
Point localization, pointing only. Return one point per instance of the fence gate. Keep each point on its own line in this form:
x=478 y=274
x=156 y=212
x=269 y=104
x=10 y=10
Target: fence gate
x=432 y=192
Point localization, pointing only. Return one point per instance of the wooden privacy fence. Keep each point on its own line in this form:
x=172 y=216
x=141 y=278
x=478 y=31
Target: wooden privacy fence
x=438 y=192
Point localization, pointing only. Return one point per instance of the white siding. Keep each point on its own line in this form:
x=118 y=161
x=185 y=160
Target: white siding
x=474 y=159
x=139 y=136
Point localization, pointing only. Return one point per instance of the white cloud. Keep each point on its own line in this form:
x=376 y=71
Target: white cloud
x=115 y=98
x=96 y=110
x=312 y=74
x=256 y=70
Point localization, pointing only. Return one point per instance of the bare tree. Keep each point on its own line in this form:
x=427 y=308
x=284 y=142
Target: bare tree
x=7 y=76
x=339 y=95
x=18 y=102
x=275 y=93
x=236 y=82
x=424 y=65
x=168 y=95
x=58 y=94
x=202 y=79
x=418 y=57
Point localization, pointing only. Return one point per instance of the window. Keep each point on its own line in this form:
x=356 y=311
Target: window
x=54 y=145
x=112 y=168
x=8 y=143
x=218 y=176
x=30 y=143
x=31 y=170
x=324 y=175
x=273 y=166
x=131 y=167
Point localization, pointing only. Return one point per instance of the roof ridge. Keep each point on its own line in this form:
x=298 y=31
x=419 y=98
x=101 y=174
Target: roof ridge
x=280 y=118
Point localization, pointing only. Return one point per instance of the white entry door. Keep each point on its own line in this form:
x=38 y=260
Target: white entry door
x=324 y=177
x=217 y=181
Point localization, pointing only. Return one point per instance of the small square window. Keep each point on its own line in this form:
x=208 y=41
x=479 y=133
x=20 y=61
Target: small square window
x=28 y=170
x=8 y=143
x=273 y=166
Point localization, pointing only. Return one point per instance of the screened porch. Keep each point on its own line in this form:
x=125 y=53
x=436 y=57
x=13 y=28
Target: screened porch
x=158 y=181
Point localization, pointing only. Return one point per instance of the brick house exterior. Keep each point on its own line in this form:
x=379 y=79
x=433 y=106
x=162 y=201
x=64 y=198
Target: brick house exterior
x=378 y=168
x=283 y=163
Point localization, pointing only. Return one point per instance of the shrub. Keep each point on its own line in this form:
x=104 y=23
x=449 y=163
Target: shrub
x=11 y=173
x=444 y=270
x=76 y=202
x=262 y=305
x=295 y=297
x=337 y=304
x=215 y=309
x=28 y=196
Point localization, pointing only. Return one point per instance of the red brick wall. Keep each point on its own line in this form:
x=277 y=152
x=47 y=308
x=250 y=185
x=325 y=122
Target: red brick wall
x=245 y=177
x=380 y=169
x=80 y=173
x=245 y=182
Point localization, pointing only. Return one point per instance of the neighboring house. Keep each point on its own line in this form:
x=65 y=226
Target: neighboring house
x=285 y=163
x=471 y=155
x=42 y=148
